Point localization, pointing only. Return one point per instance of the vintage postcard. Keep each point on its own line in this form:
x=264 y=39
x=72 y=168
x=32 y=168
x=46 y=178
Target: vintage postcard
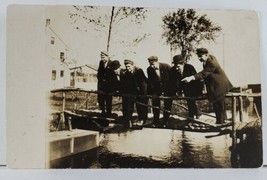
x=133 y=87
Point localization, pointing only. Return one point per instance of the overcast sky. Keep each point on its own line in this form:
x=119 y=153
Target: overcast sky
x=237 y=48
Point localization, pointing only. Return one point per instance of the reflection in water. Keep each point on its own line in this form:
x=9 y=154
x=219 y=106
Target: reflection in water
x=158 y=148
x=249 y=154
x=170 y=147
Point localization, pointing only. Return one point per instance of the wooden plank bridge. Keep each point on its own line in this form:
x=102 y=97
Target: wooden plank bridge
x=90 y=118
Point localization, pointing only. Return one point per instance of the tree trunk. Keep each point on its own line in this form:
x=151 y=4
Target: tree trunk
x=110 y=27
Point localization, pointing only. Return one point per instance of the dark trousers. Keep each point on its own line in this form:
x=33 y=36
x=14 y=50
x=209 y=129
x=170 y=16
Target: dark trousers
x=128 y=108
x=156 y=112
x=105 y=103
x=192 y=108
x=142 y=110
x=220 y=111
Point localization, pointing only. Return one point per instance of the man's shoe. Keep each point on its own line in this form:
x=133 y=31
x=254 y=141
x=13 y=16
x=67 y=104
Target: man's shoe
x=140 y=123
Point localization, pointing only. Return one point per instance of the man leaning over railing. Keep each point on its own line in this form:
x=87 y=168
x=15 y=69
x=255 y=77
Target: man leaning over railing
x=217 y=83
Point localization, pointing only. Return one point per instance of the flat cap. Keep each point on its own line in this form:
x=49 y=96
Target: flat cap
x=201 y=51
x=128 y=61
x=178 y=59
x=115 y=64
x=153 y=58
x=105 y=53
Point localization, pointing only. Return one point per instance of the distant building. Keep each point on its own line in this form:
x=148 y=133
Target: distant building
x=84 y=77
x=60 y=75
x=63 y=64
x=59 y=55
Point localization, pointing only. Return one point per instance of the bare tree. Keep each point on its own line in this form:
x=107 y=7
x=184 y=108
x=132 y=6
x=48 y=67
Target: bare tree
x=185 y=30
x=110 y=21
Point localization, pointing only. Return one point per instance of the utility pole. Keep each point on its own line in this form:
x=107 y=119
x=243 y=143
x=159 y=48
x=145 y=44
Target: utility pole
x=110 y=27
x=223 y=54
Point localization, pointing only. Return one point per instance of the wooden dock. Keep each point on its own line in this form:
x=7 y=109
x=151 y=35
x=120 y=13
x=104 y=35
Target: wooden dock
x=66 y=143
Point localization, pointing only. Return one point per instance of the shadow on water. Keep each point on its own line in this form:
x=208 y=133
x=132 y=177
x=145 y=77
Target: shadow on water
x=158 y=148
x=249 y=153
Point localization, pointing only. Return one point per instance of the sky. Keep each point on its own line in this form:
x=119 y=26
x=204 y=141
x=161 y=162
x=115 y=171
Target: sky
x=236 y=49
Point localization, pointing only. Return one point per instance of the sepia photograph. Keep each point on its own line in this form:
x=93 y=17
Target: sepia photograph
x=135 y=87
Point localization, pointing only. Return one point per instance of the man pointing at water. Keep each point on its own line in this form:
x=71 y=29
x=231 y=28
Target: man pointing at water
x=217 y=83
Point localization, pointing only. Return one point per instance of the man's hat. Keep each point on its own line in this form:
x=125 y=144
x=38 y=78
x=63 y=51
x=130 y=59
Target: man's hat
x=153 y=58
x=178 y=59
x=115 y=64
x=201 y=51
x=105 y=53
x=128 y=61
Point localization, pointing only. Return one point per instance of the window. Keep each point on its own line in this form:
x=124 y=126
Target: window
x=52 y=40
x=47 y=22
x=62 y=56
x=62 y=73
x=54 y=74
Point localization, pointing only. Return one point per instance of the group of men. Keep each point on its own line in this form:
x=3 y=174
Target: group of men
x=163 y=80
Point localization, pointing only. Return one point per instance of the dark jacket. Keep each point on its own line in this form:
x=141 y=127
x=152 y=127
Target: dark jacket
x=191 y=89
x=117 y=82
x=134 y=83
x=104 y=75
x=217 y=83
x=162 y=84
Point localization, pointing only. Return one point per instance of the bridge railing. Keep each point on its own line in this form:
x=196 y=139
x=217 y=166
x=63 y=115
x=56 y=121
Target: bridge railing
x=236 y=98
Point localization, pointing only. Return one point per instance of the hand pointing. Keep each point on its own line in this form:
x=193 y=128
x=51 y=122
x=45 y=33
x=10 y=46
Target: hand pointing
x=188 y=79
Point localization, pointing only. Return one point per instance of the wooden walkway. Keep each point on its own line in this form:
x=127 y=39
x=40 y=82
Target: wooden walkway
x=83 y=118
x=91 y=119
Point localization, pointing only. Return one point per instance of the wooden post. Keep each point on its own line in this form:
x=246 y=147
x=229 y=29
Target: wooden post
x=69 y=123
x=63 y=110
x=63 y=101
x=233 y=122
x=241 y=109
x=256 y=110
x=86 y=101
x=234 y=152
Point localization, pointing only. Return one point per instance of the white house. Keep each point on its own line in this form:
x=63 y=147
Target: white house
x=85 y=77
x=60 y=58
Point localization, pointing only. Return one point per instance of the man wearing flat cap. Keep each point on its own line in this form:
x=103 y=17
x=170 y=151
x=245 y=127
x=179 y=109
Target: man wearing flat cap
x=104 y=85
x=217 y=83
x=159 y=84
x=179 y=71
x=135 y=83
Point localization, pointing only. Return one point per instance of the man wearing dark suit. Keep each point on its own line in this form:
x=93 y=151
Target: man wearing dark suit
x=134 y=83
x=217 y=83
x=179 y=71
x=159 y=84
x=117 y=77
x=104 y=84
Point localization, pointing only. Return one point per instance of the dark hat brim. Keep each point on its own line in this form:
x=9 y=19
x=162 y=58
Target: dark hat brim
x=202 y=51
